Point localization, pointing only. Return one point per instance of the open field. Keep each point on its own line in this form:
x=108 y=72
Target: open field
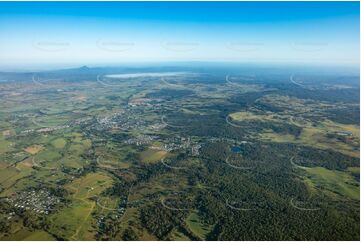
x=59 y=143
x=27 y=235
x=338 y=182
x=197 y=226
x=34 y=149
x=152 y=156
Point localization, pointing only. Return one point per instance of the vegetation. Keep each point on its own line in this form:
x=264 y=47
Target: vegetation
x=194 y=157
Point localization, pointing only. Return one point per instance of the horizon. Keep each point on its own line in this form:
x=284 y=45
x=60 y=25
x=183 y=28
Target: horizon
x=103 y=33
x=334 y=69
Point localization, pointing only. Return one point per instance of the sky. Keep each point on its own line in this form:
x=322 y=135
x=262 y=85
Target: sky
x=99 y=33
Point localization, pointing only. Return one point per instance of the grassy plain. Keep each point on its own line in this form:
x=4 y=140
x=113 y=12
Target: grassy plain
x=152 y=156
x=197 y=226
x=339 y=182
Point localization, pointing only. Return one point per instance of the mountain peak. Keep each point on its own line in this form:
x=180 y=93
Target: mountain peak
x=84 y=68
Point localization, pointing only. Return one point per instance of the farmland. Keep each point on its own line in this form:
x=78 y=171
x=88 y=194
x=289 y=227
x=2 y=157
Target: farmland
x=187 y=155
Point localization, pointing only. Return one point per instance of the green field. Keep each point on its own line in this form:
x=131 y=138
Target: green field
x=27 y=235
x=341 y=183
x=196 y=225
x=152 y=156
x=59 y=143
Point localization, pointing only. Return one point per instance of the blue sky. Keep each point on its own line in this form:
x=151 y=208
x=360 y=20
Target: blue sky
x=117 y=32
